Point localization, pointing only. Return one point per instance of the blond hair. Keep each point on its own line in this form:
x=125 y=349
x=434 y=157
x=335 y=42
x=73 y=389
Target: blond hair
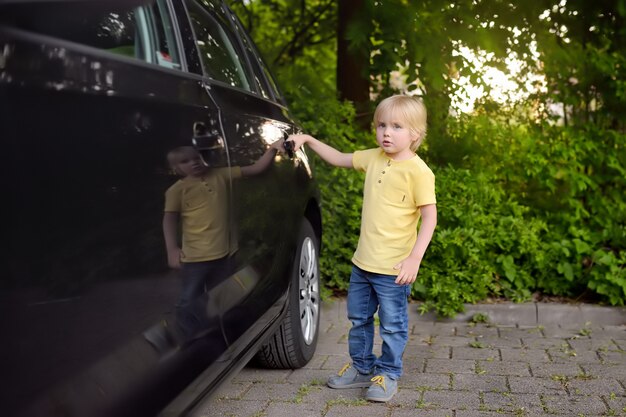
x=175 y=155
x=409 y=110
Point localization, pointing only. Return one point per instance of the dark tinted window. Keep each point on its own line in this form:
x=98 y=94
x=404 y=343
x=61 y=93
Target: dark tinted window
x=144 y=33
x=262 y=76
x=165 y=40
x=221 y=57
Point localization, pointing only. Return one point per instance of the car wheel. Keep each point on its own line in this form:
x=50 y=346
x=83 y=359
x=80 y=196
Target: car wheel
x=293 y=344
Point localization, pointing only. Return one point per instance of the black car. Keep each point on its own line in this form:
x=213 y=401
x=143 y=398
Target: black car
x=93 y=96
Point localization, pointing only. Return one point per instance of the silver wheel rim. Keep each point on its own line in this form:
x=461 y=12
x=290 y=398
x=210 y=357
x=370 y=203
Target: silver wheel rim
x=309 y=291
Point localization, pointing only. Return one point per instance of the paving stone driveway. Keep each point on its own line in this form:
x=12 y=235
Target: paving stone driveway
x=530 y=360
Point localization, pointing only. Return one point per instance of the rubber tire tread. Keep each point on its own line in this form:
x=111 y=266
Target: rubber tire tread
x=281 y=351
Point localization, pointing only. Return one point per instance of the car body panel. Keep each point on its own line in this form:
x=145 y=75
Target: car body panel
x=86 y=277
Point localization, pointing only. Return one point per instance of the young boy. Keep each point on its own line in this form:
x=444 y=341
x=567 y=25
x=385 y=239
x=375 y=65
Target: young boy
x=399 y=189
x=200 y=202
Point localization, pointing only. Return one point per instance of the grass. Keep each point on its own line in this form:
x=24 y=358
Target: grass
x=349 y=403
x=479 y=369
x=480 y=318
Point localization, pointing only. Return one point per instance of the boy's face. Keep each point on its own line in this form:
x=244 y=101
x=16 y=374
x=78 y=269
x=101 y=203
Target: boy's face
x=394 y=136
x=189 y=164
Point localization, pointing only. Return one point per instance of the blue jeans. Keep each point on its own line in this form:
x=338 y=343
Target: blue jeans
x=197 y=279
x=367 y=293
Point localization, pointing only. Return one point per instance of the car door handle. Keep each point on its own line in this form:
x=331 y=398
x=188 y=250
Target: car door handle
x=287 y=144
x=204 y=140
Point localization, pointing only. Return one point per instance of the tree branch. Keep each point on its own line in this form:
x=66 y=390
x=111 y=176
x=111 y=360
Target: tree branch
x=292 y=47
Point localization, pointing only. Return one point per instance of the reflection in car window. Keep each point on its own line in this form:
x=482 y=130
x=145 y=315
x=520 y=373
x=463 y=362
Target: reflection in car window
x=121 y=30
x=166 y=53
x=261 y=72
x=218 y=52
x=258 y=77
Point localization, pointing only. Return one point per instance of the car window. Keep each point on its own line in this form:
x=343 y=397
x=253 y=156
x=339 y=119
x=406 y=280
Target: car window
x=166 y=49
x=262 y=76
x=144 y=33
x=221 y=57
x=259 y=79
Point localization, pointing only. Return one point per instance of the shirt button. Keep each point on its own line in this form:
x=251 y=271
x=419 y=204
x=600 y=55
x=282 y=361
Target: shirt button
x=383 y=172
x=379 y=181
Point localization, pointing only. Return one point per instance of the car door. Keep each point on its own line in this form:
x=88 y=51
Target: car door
x=264 y=205
x=90 y=108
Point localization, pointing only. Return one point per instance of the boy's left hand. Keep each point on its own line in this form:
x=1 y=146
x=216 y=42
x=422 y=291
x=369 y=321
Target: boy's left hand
x=408 y=271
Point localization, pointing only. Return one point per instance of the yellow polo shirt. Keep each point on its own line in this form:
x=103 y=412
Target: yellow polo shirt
x=392 y=195
x=203 y=205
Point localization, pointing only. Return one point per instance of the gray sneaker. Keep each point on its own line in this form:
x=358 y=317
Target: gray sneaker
x=349 y=377
x=382 y=389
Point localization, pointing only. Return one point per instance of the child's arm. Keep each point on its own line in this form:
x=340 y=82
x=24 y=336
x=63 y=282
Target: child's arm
x=411 y=265
x=170 y=231
x=326 y=152
x=263 y=162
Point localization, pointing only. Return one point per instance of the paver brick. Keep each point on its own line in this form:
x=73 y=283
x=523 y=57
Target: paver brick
x=616 y=404
x=475 y=353
x=322 y=395
x=597 y=386
x=500 y=342
x=605 y=370
x=280 y=392
x=439 y=341
x=554 y=330
x=428 y=352
x=261 y=375
x=412 y=364
x=524 y=355
x=282 y=409
x=482 y=413
x=373 y=410
x=568 y=355
x=621 y=343
x=575 y=405
x=536 y=385
x=592 y=344
x=235 y=408
x=232 y=390
x=407 y=412
x=451 y=399
x=406 y=397
x=613 y=357
x=456 y=366
x=430 y=329
x=480 y=330
x=547 y=370
x=505 y=368
x=543 y=343
x=425 y=381
x=508 y=402
x=520 y=333
x=468 y=382
x=335 y=362
x=309 y=376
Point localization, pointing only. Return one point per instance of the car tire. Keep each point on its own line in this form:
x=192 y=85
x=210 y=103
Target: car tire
x=293 y=344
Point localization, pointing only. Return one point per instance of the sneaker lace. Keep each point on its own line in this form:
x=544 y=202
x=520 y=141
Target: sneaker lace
x=380 y=380
x=344 y=369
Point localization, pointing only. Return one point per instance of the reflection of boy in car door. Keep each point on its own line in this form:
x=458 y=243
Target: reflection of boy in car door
x=199 y=201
